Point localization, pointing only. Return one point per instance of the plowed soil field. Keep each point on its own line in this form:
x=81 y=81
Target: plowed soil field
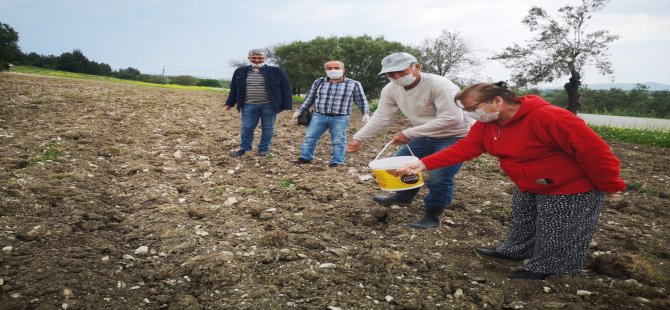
x=117 y=196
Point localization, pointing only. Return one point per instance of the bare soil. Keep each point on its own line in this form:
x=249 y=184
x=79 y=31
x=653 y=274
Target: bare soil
x=116 y=196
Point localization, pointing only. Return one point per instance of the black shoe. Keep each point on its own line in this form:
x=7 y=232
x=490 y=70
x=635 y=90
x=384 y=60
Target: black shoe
x=301 y=161
x=493 y=253
x=335 y=165
x=394 y=199
x=430 y=219
x=238 y=153
x=528 y=275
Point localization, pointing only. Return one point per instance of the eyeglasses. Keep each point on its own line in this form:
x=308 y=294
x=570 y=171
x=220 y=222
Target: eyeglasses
x=472 y=108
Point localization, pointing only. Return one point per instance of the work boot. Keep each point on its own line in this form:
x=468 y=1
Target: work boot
x=301 y=161
x=238 y=153
x=397 y=198
x=430 y=219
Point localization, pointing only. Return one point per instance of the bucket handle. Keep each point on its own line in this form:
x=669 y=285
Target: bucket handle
x=387 y=144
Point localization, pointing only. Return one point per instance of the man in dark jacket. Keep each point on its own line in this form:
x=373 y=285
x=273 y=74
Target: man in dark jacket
x=260 y=92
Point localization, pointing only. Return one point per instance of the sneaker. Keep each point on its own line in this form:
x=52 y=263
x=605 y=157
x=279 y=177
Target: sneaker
x=264 y=153
x=238 y=153
x=335 y=165
x=301 y=160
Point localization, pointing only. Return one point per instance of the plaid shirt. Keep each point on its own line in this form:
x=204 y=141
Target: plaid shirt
x=335 y=98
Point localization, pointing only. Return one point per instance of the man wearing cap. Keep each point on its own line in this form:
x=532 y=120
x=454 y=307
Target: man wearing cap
x=427 y=100
x=260 y=92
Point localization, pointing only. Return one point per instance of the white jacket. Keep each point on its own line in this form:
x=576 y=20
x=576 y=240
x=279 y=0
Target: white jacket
x=429 y=106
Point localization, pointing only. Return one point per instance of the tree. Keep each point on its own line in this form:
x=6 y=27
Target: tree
x=561 y=48
x=72 y=62
x=9 y=48
x=209 y=83
x=185 y=80
x=448 y=54
x=303 y=61
x=129 y=73
x=37 y=60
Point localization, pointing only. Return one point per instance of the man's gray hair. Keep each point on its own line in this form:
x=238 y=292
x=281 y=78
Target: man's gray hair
x=258 y=51
x=341 y=63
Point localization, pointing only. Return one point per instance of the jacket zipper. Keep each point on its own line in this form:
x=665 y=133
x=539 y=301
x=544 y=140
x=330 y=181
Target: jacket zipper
x=495 y=138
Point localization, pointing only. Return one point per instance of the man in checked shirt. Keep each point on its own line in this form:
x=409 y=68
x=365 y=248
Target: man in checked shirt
x=331 y=97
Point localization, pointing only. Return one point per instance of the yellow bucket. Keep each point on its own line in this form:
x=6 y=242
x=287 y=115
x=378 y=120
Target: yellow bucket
x=387 y=181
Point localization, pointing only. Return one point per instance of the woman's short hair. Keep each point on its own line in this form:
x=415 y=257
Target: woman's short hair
x=485 y=91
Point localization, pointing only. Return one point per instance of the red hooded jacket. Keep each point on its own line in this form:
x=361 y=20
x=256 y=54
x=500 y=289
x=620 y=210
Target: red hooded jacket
x=543 y=149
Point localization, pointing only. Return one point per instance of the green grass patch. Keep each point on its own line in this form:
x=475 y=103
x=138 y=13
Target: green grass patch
x=499 y=211
x=642 y=187
x=655 y=137
x=52 y=152
x=216 y=191
x=477 y=161
x=286 y=183
x=81 y=76
x=653 y=258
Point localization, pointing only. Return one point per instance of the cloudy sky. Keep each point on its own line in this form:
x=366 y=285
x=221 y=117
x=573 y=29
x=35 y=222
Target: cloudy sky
x=200 y=37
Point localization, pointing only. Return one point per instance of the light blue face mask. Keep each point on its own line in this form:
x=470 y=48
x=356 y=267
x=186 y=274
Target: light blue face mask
x=484 y=117
x=334 y=74
x=405 y=80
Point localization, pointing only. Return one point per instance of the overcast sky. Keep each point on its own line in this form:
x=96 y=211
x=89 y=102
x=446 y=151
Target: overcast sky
x=200 y=37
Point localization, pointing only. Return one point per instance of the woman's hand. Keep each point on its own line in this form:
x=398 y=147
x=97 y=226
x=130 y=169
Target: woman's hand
x=413 y=168
x=614 y=197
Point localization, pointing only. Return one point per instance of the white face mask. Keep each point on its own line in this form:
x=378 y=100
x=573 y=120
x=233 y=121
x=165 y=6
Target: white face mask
x=484 y=117
x=404 y=80
x=253 y=65
x=334 y=74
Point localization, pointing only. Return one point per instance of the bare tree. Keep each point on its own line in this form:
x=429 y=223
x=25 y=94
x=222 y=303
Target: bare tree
x=448 y=54
x=561 y=48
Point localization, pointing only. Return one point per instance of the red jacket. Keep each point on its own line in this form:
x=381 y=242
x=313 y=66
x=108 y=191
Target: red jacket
x=543 y=149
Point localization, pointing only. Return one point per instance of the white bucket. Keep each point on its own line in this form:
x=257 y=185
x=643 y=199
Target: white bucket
x=389 y=182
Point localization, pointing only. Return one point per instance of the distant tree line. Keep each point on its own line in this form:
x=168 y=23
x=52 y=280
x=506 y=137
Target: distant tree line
x=77 y=62
x=448 y=54
x=640 y=101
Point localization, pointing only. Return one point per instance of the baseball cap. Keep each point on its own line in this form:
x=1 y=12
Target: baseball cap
x=397 y=62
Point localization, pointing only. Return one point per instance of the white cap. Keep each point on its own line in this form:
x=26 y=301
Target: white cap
x=397 y=62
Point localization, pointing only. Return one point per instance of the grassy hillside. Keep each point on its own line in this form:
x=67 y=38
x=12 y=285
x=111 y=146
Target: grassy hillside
x=49 y=72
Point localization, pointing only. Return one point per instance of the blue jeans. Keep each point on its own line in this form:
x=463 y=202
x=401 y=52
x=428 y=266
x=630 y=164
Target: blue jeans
x=440 y=182
x=338 y=136
x=251 y=113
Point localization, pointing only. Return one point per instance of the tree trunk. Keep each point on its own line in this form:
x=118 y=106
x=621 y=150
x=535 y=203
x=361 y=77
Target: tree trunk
x=572 y=88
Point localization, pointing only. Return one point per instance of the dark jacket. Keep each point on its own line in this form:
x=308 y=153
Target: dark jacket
x=277 y=85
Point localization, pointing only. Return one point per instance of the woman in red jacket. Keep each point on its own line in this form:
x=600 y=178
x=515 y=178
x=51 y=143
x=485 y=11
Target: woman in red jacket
x=560 y=166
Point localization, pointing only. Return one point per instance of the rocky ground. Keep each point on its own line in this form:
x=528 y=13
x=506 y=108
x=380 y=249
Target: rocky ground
x=116 y=196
